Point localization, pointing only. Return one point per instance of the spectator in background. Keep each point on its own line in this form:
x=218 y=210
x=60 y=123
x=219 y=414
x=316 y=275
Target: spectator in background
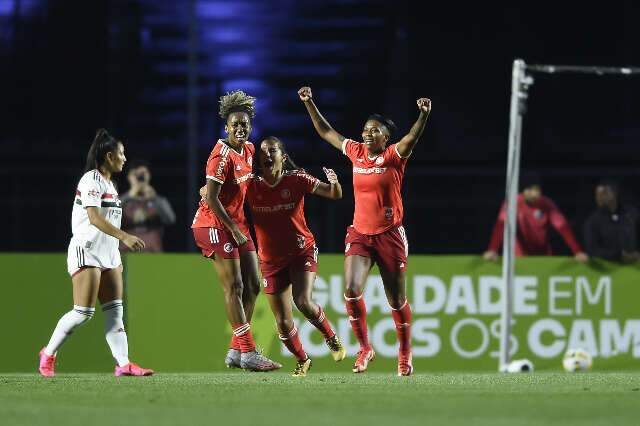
x=611 y=231
x=536 y=214
x=145 y=213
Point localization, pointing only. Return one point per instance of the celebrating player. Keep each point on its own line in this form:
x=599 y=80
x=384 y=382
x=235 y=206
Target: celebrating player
x=288 y=254
x=221 y=231
x=377 y=234
x=93 y=259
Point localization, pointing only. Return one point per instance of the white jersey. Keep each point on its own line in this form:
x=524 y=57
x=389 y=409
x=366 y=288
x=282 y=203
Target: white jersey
x=94 y=190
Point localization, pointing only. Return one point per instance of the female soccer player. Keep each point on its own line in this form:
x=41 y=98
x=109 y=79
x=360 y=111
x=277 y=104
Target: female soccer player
x=222 y=233
x=377 y=234
x=93 y=259
x=288 y=254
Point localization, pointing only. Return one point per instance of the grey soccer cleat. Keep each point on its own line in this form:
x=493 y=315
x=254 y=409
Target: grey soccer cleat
x=232 y=360
x=255 y=361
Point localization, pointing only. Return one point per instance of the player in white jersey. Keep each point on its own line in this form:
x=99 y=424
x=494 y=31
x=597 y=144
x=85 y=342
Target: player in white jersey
x=93 y=259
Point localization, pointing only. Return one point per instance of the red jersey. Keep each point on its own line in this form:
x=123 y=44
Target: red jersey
x=278 y=215
x=533 y=223
x=376 y=187
x=232 y=169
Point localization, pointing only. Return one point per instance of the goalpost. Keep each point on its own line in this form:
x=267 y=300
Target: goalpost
x=520 y=83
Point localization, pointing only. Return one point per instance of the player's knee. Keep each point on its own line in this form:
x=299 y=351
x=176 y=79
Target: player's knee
x=82 y=314
x=352 y=291
x=284 y=325
x=397 y=302
x=302 y=302
x=252 y=286
x=234 y=288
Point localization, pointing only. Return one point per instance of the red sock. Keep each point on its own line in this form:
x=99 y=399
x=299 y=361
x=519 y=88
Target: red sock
x=291 y=341
x=244 y=337
x=322 y=324
x=357 y=311
x=402 y=318
x=235 y=344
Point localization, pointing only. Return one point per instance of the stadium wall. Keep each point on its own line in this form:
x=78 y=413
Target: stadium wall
x=176 y=322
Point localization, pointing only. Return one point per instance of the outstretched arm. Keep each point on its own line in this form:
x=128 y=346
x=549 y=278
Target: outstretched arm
x=406 y=144
x=321 y=125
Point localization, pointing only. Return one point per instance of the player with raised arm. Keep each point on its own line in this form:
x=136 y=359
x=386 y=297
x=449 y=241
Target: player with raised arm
x=287 y=249
x=221 y=231
x=93 y=258
x=377 y=234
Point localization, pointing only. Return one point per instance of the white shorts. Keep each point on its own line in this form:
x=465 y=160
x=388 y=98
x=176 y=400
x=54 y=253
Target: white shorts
x=79 y=258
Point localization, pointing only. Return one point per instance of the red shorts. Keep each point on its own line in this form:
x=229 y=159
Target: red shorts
x=389 y=249
x=276 y=277
x=214 y=241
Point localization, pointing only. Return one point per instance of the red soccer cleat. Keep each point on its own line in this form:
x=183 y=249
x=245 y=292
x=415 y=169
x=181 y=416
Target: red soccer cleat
x=47 y=364
x=365 y=356
x=132 y=369
x=405 y=365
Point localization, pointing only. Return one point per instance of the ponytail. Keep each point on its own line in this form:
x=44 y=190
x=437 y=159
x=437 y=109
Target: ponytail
x=101 y=145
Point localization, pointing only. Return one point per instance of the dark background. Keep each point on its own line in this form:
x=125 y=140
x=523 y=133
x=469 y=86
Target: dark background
x=68 y=67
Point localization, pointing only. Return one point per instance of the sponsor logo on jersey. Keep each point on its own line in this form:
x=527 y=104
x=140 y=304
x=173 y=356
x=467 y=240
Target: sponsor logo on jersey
x=228 y=247
x=363 y=171
x=221 y=165
x=243 y=178
x=273 y=209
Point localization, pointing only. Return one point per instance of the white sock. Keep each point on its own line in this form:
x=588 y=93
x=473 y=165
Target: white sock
x=114 y=331
x=69 y=321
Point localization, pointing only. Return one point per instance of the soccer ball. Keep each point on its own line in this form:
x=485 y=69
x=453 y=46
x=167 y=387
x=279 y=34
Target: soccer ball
x=520 y=366
x=576 y=360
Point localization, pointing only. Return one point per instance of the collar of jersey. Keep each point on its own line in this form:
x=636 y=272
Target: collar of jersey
x=276 y=183
x=231 y=148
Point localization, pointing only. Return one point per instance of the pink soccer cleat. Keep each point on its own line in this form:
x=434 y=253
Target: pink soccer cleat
x=132 y=369
x=405 y=364
x=365 y=356
x=47 y=364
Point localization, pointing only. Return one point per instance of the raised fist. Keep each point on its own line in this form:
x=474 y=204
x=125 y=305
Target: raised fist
x=424 y=105
x=305 y=94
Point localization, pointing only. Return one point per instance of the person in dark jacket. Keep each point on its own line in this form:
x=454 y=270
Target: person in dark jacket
x=611 y=232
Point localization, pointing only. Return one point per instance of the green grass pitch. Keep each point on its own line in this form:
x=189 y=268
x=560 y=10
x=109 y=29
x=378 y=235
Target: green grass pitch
x=242 y=398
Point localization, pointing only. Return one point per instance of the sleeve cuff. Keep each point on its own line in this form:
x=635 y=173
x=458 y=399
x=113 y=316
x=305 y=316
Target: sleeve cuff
x=395 y=148
x=344 y=146
x=215 y=179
